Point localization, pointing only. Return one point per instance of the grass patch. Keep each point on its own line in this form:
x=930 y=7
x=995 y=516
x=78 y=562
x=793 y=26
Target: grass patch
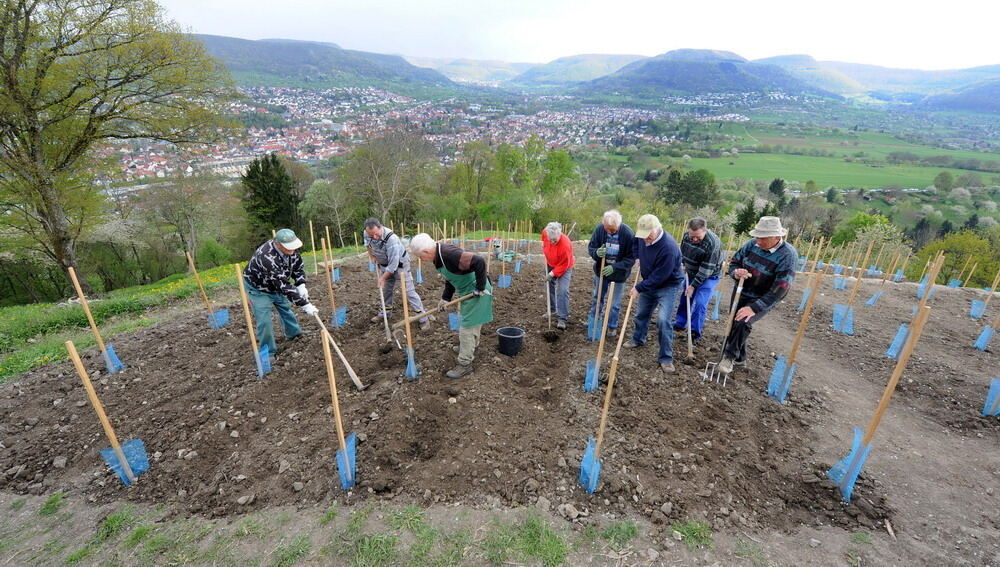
x=410 y=519
x=862 y=538
x=452 y=550
x=286 y=555
x=79 y=555
x=52 y=505
x=620 y=534
x=374 y=550
x=694 y=534
x=752 y=553
x=137 y=535
x=114 y=524
x=529 y=539
x=330 y=514
x=249 y=527
x=358 y=520
x=157 y=544
x=18 y=504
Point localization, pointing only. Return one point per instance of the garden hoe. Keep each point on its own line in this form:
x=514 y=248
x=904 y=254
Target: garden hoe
x=127 y=461
x=216 y=319
x=343 y=359
x=590 y=466
x=346 y=456
x=712 y=371
x=417 y=316
x=111 y=361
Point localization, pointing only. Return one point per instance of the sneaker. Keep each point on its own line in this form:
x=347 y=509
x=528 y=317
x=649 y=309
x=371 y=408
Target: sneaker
x=667 y=367
x=455 y=349
x=302 y=333
x=561 y=325
x=460 y=371
x=726 y=365
x=631 y=344
x=612 y=333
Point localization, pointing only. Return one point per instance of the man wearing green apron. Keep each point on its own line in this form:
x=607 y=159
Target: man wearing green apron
x=464 y=273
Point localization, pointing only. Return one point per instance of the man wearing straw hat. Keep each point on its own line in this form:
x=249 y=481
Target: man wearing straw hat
x=276 y=276
x=464 y=273
x=387 y=251
x=613 y=241
x=660 y=266
x=701 y=253
x=558 y=251
x=767 y=266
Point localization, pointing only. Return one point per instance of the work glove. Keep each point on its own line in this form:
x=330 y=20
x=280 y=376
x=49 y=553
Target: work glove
x=310 y=309
x=303 y=292
x=442 y=303
x=481 y=292
x=551 y=275
x=607 y=271
x=602 y=251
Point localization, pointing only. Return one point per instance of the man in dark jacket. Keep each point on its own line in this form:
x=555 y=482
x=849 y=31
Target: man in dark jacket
x=660 y=266
x=276 y=276
x=701 y=252
x=767 y=266
x=613 y=241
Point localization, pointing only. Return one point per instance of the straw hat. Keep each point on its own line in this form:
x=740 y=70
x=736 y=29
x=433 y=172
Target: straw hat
x=767 y=227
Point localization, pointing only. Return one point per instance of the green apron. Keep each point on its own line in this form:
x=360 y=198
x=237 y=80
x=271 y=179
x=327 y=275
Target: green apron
x=476 y=310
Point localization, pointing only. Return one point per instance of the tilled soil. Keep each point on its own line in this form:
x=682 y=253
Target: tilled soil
x=513 y=432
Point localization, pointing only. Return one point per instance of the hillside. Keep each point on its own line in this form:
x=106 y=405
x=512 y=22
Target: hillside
x=317 y=65
x=697 y=71
x=480 y=71
x=573 y=69
x=813 y=72
x=876 y=78
x=980 y=97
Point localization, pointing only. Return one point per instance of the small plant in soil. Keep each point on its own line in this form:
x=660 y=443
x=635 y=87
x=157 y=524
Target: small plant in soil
x=410 y=519
x=79 y=555
x=18 y=504
x=862 y=538
x=620 y=534
x=694 y=534
x=532 y=538
x=330 y=514
x=375 y=550
x=137 y=535
x=287 y=555
x=114 y=524
x=52 y=505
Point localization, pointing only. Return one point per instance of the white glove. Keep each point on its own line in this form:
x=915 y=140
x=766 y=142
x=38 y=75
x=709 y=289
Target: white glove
x=310 y=309
x=301 y=288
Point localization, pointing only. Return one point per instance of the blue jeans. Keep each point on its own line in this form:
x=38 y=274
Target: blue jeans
x=559 y=295
x=616 y=301
x=699 y=307
x=261 y=304
x=663 y=298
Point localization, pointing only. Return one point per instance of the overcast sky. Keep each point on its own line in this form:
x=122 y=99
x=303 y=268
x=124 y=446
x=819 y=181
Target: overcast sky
x=893 y=33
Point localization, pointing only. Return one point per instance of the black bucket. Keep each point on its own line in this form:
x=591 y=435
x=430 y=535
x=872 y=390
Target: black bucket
x=511 y=340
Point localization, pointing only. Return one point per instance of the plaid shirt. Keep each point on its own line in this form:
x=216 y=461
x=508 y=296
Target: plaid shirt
x=272 y=271
x=702 y=260
x=771 y=273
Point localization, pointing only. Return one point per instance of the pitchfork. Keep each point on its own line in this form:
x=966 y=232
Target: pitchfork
x=712 y=371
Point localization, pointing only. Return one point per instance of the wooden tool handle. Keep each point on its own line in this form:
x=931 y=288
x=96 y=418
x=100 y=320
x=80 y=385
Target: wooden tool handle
x=732 y=311
x=406 y=313
x=858 y=277
x=99 y=408
x=332 y=378
x=600 y=287
x=417 y=316
x=612 y=373
x=86 y=310
x=328 y=272
x=897 y=372
x=343 y=359
x=312 y=243
x=604 y=326
x=246 y=311
x=201 y=288
x=804 y=322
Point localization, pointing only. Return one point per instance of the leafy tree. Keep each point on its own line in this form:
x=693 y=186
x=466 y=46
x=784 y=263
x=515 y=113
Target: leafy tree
x=330 y=205
x=849 y=232
x=810 y=187
x=831 y=195
x=78 y=73
x=696 y=188
x=958 y=248
x=746 y=218
x=972 y=223
x=922 y=233
x=944 y=181
x=269 y=196
x=946 y=228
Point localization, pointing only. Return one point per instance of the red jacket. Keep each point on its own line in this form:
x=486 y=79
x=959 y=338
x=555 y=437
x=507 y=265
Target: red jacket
x=558 y=256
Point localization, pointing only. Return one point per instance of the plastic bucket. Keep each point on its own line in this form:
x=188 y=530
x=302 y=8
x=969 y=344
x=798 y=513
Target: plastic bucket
x=511 y=340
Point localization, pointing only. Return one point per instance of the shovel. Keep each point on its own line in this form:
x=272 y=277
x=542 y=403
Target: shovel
x=550 y=336
x=340 y=355
x=127 y=461
x=411 y=365
x=593 y=328
x=689 y=360
x=845 y=472
x=111 y=361
x=261 y=357
x=590 y=466
x=389 y=337
x=216 y=319
x=711 y=371
x=593 y=374
x=346 y=456
x=784 y=370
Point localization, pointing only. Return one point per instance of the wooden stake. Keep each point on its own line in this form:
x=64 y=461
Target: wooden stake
x=355 y=239
x=892 y=268
x=332 y=378
x=918 y=326
x=804 y=321
x=612 y=373
x=312 y=242
x=965 y=280
x=99 y=408
x=328 y=275
x=406 y=313
x=964 y=266
x=993 y=289
x=201 y=288
x=86 y=309
x=857 y=280
x=328 y=239
x=246 y=312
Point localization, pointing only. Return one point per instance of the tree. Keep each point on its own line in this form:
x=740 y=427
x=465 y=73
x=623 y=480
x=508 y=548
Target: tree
x=922 y=233
x=696 y=188
x=78 y=73
x=946 y=228
x=746 y=219
x=831 y=195
x=972 y=223
x=269 y=196
x=388 y=172
x=849 y=232
x=777 y=187
x=944 y=181
x=810 y=187
x=334 y=206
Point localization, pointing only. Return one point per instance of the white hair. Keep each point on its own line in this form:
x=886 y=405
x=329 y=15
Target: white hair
x=612 y=218
x=553 y=229
x=421 y=242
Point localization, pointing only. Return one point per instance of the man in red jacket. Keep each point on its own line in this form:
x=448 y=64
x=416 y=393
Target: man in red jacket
x=559 y=258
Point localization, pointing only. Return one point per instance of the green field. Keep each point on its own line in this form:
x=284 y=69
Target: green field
x=824 y=171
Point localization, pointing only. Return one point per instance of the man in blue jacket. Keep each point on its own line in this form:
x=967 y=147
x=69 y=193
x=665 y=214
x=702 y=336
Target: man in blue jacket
x=660 y=265
x=613 y=241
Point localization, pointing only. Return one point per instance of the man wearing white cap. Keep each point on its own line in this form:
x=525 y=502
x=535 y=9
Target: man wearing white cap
x=767 y=266
x=660 y=266
x=276 y=276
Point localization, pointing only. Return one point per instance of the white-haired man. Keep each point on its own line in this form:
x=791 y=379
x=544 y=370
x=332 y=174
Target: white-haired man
x=558 y=251
x=464 y=273
x=614 y=242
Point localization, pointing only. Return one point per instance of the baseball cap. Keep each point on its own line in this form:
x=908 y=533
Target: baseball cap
x=286 y=237
x=646 y=225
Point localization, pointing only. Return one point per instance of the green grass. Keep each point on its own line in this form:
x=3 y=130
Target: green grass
x=249 y=527
x=330 y=514
x=287 y=555
x=862 y=538
x=530 y=539
x=52 y=505
x=375 y=550
x=137 y=535
x=357 y=521
x=620 y=534
x=18 y=504
x=410 y=518
x=114 y=524
x=79 y=555
x=751 y=552
x=694 y=534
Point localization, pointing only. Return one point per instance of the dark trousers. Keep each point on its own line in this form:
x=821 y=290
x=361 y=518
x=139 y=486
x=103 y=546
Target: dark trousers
x=736 y=343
